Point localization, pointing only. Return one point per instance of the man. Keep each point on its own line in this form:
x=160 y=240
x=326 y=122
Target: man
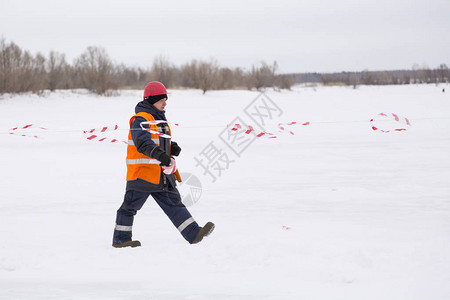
x=149 y=152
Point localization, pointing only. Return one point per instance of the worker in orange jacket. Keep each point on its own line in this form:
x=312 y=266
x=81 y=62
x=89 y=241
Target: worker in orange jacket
x=150 y=171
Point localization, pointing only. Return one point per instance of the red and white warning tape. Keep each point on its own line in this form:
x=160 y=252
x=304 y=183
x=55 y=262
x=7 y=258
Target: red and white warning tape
x=98 y=134
x=249 y=129
x=379 y=123
x=393 y=125
x=156 y=122
x=291 y=123
x=19 y=130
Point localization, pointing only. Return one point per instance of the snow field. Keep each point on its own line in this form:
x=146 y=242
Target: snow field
x=336 y=211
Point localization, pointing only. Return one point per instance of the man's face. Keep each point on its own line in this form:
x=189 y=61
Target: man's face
x=161 y=104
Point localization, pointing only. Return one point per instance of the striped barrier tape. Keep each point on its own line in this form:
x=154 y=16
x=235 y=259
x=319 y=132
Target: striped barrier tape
x=395 y=121
x=98 y=134
x=281 y=126
x=250 y=129
x=19 y=130
x=156 y=122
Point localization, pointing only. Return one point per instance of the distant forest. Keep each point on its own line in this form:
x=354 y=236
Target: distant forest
x=20 y=72
x=417 y=75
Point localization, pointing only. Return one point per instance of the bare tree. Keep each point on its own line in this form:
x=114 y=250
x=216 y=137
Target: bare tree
x=131 y=77
x=443 y=73
x=284 y=81
x=239 y=78
x=261 y=76
x=163 y=71
x=207 y=75
x=38 y=74
x=20 y=71
x=225 y=79
x=58 y=71
x=189 y=74
x=367 y=77
x=96 y=71
x=327 y=79
x=200 y=75
x=11 y=60
x=6 y=66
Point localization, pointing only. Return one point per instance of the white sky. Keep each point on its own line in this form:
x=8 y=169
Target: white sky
x=302 y=36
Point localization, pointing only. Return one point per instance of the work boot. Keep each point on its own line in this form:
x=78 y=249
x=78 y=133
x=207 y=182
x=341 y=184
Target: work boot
x=204 y=231
x=131 y=244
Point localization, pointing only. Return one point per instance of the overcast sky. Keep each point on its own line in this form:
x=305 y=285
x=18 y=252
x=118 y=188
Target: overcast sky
x=302 y=36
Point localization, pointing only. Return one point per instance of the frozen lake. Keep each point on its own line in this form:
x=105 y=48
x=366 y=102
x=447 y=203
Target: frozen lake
x=335 y=210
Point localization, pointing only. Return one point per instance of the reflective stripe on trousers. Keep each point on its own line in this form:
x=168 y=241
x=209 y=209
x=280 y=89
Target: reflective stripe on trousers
x=123 y=228
x=185 y=224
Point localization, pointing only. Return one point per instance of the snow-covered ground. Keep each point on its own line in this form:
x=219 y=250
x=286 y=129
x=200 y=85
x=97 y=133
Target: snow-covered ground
x=336 y=211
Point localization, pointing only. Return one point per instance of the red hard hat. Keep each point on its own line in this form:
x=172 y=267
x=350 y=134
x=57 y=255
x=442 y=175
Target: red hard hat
x=154 y=88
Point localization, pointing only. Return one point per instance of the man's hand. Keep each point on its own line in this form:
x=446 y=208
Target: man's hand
x=174 y=149
x=162 y=156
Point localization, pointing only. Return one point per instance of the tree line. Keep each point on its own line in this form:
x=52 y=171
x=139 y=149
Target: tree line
x=20 y=71
x=416 y=75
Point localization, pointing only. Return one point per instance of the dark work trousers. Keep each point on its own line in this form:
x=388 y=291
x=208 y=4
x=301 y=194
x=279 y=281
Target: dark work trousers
x=169 y=201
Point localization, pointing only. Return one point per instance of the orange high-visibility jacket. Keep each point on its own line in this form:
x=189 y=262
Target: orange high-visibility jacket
x=139 y=165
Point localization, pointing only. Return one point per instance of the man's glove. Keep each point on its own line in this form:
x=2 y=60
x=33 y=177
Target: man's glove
x=174 y=149
x=162 y=156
